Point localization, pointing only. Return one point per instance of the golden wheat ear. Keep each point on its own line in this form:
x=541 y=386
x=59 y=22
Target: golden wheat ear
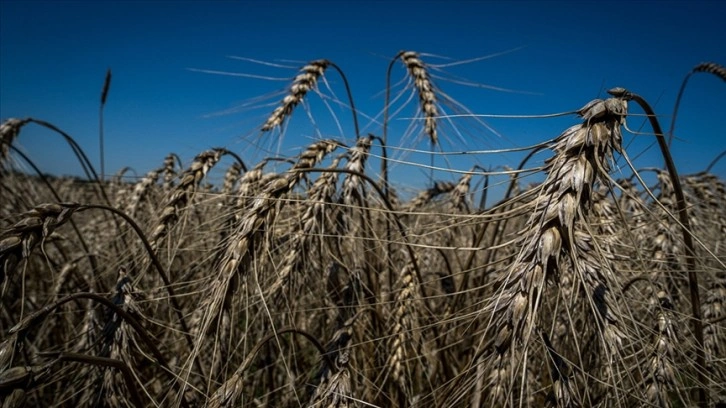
x=427 y=98
x=301 y=85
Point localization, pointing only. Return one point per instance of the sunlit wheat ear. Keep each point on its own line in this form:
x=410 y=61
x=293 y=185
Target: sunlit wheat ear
x=460 y=194
x=356 y=163
x=169 y=171
x=183 y=192
x=249 y=185
x=581 y=157
x=140 y=190
x=353 y=195
x=426 y=196
x=230 y=178
x=9 y=130
x=301 y=85
x=239 y=248
x=427 y=98
x=18 y=241
x=319 y=197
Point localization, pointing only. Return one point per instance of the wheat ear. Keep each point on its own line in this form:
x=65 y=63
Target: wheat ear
x=239 y=250
x=427 y=98
x=581 y=155
x=182 y=193
x=301 y=85
x=18 y=241
x=319 y=197
x=9 y=131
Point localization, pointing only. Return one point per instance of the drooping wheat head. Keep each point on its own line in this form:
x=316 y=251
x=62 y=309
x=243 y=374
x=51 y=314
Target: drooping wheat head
x=304 y=82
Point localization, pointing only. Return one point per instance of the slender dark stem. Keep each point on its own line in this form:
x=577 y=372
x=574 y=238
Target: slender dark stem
x=384 y=163
x=235 y=155
x=100 y=143
x=107 y=362
x=86 y=250
x=675 y=108
x=350 y=98
x=485 y=190
x=714 y=161
x=384 y=141
x=687 y=240
x=82 y=158
x=104 y=96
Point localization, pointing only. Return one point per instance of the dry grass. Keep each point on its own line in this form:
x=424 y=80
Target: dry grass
x=308 y=281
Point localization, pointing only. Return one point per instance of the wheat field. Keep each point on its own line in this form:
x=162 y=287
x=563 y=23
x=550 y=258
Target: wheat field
x=310 y=280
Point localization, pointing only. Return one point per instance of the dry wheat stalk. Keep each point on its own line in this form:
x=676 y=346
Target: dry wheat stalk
x=301 y=85
x=668 y=251
x=249 y=185
x=581 y=154
x=353 y=198
x=427 y=97
x=707 y=67
x=356 y=163
x=140 y=190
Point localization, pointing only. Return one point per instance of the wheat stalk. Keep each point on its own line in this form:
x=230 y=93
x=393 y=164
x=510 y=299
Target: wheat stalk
x=707 y=67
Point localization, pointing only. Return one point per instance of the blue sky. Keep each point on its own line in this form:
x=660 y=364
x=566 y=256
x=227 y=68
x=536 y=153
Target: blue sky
x=555 y=56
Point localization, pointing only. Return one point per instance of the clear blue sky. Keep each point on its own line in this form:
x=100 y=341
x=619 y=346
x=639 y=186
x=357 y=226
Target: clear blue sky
x=54 y=55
